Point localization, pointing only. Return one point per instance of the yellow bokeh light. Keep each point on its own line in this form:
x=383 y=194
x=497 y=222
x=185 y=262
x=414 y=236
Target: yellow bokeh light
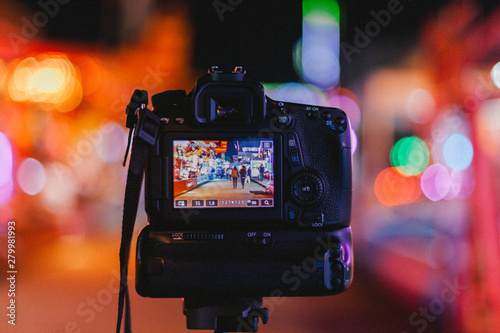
x=52 y=81
x=19 y=81
x=48 y=80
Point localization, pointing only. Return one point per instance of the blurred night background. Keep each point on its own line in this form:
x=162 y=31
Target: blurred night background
x=420 y=81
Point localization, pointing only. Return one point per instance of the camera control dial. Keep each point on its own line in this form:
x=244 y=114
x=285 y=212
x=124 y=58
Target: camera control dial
x=306 y=189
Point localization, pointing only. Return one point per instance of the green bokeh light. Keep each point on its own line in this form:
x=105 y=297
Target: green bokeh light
x=410 y=156
x=321 y=8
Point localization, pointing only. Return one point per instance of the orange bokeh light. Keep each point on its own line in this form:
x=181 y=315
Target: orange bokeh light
x=393 y=189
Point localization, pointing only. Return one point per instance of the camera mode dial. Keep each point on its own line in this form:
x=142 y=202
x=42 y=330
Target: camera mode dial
x=306 y=189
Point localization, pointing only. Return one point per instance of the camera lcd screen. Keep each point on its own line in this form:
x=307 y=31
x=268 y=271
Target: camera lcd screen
x=232 y=173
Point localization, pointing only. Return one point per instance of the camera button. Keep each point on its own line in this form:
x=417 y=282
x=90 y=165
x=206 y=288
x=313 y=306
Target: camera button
x=326 y=115
x=282 y=120
x=292 y=214
x=292 y=143
x=294 y=158
x=340 y=121
x=337 y=267
x=334 y=253
x=312 y=115
x=307 y=189
x=336 y=283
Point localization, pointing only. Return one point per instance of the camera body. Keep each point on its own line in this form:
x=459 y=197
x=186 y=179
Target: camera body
x=246 y=196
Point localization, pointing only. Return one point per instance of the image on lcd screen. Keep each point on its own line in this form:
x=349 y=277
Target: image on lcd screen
x=234 y=173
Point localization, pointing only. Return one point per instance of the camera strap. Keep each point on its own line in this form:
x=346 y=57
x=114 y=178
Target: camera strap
x=146 y=125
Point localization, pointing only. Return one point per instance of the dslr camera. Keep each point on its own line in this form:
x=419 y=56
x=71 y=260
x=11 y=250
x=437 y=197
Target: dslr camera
x=247 y=197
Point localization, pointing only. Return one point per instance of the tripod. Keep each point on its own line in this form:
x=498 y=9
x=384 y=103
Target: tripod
x=225 y=315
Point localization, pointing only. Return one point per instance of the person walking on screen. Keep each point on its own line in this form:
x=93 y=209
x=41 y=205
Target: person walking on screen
x=243 y=174
x=249 y=175
x=261 y=172
x=234 y=175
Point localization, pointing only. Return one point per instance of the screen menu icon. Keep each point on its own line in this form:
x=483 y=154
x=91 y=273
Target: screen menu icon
x=212 y=203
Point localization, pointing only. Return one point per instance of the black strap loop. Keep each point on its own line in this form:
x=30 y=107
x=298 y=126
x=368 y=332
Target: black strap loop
x=145 y=136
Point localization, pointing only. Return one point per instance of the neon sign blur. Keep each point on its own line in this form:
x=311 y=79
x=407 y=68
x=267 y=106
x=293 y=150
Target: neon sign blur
x=317 y=54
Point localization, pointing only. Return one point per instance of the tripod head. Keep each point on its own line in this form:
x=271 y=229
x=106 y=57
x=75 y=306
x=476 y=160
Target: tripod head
x=225 y=315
